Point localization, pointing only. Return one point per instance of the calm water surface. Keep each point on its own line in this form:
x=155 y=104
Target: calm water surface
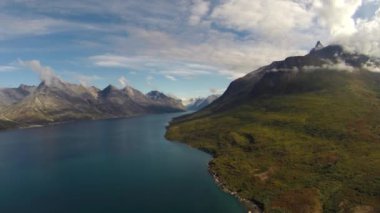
x=122 y=165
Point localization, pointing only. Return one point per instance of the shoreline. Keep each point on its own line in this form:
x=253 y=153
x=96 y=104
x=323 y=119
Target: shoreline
x=250 y=205
x=47 y=124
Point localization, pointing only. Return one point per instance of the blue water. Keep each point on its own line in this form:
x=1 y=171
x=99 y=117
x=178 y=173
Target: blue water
x=121 y=165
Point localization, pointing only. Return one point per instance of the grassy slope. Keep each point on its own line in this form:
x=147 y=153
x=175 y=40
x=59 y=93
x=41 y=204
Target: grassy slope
x=298 y=152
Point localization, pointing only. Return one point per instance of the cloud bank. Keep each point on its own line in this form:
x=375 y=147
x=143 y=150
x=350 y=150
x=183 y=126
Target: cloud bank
x=233 y=37
x=46 y=73
x=190 y=39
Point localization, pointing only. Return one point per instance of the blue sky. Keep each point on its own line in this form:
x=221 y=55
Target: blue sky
x=186 y=48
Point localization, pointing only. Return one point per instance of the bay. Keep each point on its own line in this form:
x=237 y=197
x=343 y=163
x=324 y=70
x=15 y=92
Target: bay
x=118 y=165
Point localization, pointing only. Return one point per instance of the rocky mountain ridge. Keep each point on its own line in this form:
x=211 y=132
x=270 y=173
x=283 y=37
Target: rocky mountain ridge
x=196 y=104
x=59 y=101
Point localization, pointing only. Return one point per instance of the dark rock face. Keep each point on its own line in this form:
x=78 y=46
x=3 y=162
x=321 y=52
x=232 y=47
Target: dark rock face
x=318 y=46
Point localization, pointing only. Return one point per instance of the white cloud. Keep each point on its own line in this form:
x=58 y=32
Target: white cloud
x=265 y=17
x=218 y=53
x=192 y=39
x=7 y=68
x=366 y=38
x=46 y=73
x=129 y=62
x=339 y=66
x=337 y=15
x=171 y=69
x=199 y=9
x=371 y=66
x=338 y=18
x=123 y=81
x=15 y=26
x=172 y=78
x=18 y=26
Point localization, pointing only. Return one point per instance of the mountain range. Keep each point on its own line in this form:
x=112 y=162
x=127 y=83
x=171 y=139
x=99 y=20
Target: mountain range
x=59 y=101
x=195 y=104
x=297 y=135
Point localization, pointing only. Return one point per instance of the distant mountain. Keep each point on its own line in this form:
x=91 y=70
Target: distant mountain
x=298 y=135
x=196 y=104
x=59 y=101
x=9 y=96
x=118 y=102
x=164 y=103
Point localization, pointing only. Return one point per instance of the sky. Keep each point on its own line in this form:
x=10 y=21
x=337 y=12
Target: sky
x=185 y=48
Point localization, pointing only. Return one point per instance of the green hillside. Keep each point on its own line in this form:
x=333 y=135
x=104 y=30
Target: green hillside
x=299 y=142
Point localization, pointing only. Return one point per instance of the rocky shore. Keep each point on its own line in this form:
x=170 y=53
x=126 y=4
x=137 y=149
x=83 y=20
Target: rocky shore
x=251 y=206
